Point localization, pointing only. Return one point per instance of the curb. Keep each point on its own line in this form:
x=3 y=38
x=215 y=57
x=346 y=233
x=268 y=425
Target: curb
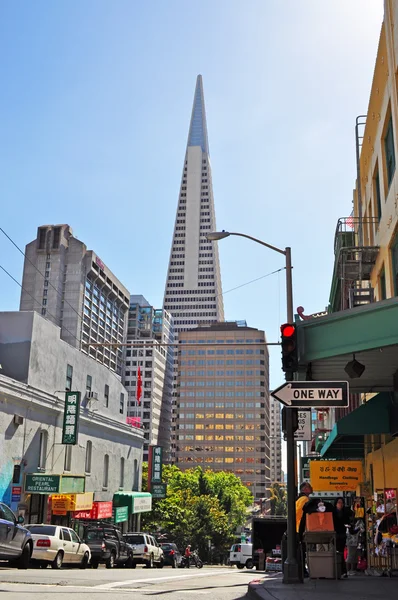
x=253 y=589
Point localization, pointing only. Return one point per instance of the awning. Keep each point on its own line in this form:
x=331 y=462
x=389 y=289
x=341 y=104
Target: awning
x=136 y=502
x=346 y=440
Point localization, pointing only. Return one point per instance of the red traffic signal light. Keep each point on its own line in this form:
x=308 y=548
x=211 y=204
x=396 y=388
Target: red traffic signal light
x=289 y=348
x=288 y=330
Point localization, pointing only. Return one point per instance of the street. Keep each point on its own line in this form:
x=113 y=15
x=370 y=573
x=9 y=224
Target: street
x=218 y=583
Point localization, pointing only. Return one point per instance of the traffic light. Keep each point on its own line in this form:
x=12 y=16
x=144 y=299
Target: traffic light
x=289 y=348
x=16 y=476
x=294 y=412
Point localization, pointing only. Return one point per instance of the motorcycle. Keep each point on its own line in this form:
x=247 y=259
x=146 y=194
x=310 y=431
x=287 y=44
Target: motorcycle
x=194 y=561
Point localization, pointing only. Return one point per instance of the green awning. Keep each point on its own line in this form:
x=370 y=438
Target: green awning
x=346 y=440
x=136 y=502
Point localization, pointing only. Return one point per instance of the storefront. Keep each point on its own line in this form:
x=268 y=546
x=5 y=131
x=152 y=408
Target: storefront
x=133 y=503
x=64 y=506
x=39 y=488
x=366 y=433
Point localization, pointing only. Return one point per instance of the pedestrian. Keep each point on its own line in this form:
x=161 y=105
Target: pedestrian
x=352 y=549
x=187 y=555
x=341 y=517
x=305 y=491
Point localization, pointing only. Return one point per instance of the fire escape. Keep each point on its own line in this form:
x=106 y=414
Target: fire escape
x=354 y=250
x=354 y=261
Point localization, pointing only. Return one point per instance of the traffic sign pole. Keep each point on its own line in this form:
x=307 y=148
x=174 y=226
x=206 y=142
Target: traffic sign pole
x=290 y=566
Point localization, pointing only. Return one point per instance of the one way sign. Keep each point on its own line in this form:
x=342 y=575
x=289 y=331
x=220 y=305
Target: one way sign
x=312 y=394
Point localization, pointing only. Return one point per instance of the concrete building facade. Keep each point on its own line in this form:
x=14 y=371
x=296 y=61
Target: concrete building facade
x=193 y=293
x=71 y=287
x=222 y=417
x=152 y=330
x=37 y=368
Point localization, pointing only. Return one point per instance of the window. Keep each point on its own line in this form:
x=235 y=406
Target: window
x=68 y=458
x=89 y=384
x=121 y=481
x=394 y=256
x=121 y=408
x=389 y=152
x=135 y=475
x=43 y=450
x=69 y=375
x=383 y=292
x=74 y=537
x=89 y=448
x=105 y=477
x=106 y=395
x=66 y=534
x=377 y=193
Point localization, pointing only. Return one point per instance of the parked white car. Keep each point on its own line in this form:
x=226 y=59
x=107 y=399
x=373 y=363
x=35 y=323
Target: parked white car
x=146 y=550
x=57 y=545
x=241 y=555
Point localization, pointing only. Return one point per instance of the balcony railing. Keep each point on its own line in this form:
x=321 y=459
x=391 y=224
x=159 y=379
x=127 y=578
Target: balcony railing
x=348 y=232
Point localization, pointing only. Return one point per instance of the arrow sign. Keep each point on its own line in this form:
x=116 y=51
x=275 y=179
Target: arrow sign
x=312 y=394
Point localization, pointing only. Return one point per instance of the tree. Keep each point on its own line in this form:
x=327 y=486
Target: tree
x=278 y=500
x=202 y=508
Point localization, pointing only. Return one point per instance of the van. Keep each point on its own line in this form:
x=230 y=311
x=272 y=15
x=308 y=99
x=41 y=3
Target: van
x=241 y=556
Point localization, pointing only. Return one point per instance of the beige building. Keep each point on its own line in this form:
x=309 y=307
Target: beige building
x=222 y=414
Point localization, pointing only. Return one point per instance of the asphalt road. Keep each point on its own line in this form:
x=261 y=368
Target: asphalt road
x=217 y=583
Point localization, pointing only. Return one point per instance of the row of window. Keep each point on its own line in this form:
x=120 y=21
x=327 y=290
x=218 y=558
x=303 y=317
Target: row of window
x=201 y=362
x=220 y=459
x=89 y=387
x=222 y=383
x=185 y=292
x=221 y=426
x=221 y=373
x=221 y=405
x=227 y=438
x=237 y=449
x=189 y=307
x=220 y=415
x=221 y=351
x=190 y=299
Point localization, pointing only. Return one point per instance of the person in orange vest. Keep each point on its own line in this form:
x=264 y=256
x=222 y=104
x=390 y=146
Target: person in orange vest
x=305 y=491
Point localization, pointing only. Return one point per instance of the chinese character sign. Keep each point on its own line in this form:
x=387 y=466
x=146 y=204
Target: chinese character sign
x=71 y=418
x=157 y=462
x=336 y=475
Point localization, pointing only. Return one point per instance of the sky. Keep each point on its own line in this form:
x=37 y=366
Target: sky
x=95 y=103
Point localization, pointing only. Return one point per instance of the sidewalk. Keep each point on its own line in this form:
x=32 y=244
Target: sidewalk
x=359 y=587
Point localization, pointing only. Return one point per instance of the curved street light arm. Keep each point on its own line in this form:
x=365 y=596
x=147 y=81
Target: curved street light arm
x=249 y=237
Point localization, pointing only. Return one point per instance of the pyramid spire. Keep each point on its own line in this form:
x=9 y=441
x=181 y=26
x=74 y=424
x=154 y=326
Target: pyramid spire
x=198 y=127
x=193 y=293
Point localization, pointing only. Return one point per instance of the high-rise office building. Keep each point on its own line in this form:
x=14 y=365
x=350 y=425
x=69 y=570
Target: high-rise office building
x=152 y=330
x=193 y=293
x=70 y=286
x=275 y=440
x=222 y=416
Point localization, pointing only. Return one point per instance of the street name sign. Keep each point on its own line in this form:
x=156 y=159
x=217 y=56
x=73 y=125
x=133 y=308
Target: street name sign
x=312 y=394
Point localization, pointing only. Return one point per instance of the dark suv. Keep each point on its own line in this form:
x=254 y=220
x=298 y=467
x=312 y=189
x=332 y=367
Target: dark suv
x=15 y=541
x=107 y=546
x=172 y=555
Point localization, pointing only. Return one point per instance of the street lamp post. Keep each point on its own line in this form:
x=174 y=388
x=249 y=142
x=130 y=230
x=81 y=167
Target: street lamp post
x=290 y=567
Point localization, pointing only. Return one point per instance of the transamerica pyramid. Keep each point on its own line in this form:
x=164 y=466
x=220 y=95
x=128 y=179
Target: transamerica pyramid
x=193 y=293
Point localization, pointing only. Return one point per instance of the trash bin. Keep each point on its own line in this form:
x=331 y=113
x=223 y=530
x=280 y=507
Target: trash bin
x=323 y=560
